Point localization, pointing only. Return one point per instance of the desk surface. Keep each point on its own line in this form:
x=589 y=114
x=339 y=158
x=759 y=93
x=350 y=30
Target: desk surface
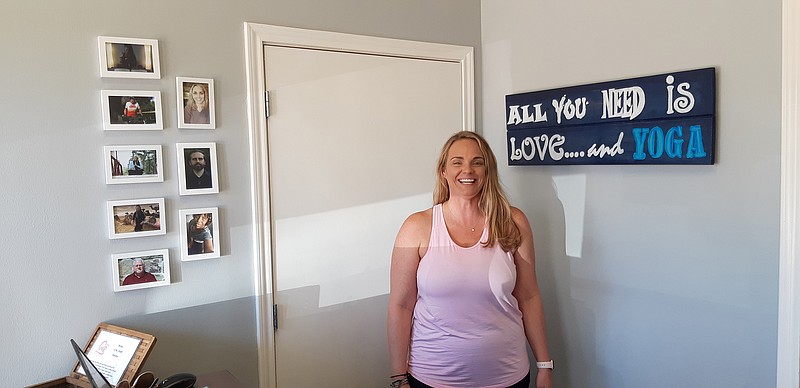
x=220 y=379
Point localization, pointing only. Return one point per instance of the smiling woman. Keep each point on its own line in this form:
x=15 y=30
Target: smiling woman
x=196 y=101
x=196 y=110
x=440 y=300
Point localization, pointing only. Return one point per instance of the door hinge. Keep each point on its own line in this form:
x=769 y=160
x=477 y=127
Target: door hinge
x=266 y=103
x=274 y=317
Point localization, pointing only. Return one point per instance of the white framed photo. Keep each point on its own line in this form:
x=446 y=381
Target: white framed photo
x=133 y=164
x=199 y=233
x=197 y=168
x=144 y=269
x=128 y=57
x=131 y=110
x=136 y=218
x=195 y=99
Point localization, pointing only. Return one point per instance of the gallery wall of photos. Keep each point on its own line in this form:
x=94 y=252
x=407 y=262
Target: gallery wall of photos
x=141 y=109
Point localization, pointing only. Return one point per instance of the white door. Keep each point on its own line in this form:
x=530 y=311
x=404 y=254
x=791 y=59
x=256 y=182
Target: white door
x=352 y=142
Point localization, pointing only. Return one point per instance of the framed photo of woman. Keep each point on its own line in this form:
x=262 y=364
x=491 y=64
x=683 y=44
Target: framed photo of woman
x=128 y=57
x=199 y=233
x=195 y=98
x=133 y=164
x=143 y=269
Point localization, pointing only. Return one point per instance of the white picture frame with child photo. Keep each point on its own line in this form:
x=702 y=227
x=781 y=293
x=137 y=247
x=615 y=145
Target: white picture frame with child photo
x=199 y=233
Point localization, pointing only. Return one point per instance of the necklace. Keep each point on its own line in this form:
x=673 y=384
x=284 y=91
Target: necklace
x=459 y=223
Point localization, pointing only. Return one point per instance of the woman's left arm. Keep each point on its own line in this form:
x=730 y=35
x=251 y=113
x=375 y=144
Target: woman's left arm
x=530 y=300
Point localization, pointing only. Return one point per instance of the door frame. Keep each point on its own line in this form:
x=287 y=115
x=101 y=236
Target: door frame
x=788 y=368
x=256 y=36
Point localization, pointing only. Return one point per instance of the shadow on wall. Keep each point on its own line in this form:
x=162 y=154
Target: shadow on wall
x=555 y=209
x=202 y=339
x=574 y=310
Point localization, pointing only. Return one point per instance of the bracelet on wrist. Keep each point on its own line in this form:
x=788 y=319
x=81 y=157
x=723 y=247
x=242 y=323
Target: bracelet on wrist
x=399 y=382
x=545 y=364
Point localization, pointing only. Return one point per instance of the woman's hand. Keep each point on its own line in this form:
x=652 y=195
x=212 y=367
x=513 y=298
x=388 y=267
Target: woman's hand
x=544 y=378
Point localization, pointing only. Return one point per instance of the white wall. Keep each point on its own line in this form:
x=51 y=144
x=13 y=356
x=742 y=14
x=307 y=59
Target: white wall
x=54 y=242
x=671 y=278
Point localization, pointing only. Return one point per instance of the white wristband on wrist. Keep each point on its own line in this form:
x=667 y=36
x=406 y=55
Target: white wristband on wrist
x=545 y=364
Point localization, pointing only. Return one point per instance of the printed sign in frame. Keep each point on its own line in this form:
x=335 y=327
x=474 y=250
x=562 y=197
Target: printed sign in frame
x=135 y=343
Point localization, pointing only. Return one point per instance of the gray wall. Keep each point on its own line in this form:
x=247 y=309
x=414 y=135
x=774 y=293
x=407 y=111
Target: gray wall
x=54 y=239
x=675 y=283
x=653 y=276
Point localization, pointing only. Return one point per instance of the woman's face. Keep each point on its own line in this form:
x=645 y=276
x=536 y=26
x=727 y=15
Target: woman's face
x=465 y=168
x=198 y=95
x=202 y=220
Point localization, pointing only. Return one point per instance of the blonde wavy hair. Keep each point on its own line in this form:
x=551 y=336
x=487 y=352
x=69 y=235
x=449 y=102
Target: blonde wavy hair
x=493 y=201
x=190 y=102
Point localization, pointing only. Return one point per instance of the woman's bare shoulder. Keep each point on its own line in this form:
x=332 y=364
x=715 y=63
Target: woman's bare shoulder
x=421 y=216
x=417 y=226
x=420 y=219
x=519 y=218
x=517 y=213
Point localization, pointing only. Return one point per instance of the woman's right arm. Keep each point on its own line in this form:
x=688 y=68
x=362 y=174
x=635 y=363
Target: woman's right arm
x=403 y=288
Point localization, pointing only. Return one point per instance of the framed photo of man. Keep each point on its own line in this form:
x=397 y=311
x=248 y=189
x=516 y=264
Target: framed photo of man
x=197 y=168
x=133 y=164
x=136 y=218
x=143 y=269
x=131 y=110
x=195 y=99
x=199 y=233
x=128 y=57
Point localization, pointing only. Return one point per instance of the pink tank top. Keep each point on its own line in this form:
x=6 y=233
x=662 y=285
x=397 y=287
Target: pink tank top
x=467 y=329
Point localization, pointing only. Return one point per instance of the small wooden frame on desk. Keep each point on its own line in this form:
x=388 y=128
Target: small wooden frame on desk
x=109 y=335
